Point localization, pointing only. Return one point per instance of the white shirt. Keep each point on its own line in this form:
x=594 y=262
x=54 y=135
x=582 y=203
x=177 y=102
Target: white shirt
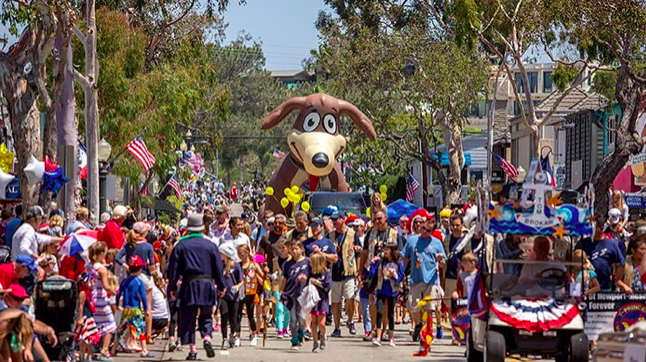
x=160 y=309
x=240 y=239
x=26 y=240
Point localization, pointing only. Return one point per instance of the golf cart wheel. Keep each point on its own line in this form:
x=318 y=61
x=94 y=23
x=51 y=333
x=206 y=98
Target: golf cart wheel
x=496 y=347
x=473 y=355
x=579 y=348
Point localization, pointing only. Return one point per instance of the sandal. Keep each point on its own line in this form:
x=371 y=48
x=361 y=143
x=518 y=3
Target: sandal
x=148 y=354
x=104 y=358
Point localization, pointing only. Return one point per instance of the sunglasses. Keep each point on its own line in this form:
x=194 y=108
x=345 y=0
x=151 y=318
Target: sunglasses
x=456 y=225
x=379 y=218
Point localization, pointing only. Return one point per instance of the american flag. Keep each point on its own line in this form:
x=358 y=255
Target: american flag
x=278 y=153
x=173 y=183
x=510 y=170
x=137 y=148
x=478 y=302
x=411 y=187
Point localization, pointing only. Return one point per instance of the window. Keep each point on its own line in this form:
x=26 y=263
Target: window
x=547 y=82
x=533 y=81
x=516 y=108
x=612 y=123
x=519 y=83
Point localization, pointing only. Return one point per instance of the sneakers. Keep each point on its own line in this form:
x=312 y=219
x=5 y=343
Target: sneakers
x=352 y=328
x=438 y=333
x=281 y=335
x=315 y=347
x=254 y=341
x=172 y=345
x=308 y=335
x=417 y=331
x=392 y=343
x=322 y=347
x=367 y=337
x=295 y=343
x=336 y=333
x=376 y=342
x=192 y=356
x=208 y=347
x=238 y=343
x=232 y=343
x=217 y=327
x=225 y=344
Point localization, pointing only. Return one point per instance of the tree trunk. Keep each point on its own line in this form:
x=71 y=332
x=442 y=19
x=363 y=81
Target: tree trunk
x=241 y=170
x=452 y=134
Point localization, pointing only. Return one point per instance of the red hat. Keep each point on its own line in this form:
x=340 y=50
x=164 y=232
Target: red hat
x=157 y=244
x=135 y=261
x=17 y=291
x=350 y=219
x=421 y=213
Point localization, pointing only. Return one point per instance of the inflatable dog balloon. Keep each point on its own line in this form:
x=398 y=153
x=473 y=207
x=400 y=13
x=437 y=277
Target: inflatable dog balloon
x=314 y=144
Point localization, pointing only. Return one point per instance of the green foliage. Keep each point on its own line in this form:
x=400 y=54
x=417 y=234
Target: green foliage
x=465 y=11
x=563 y=76
x=605 y=83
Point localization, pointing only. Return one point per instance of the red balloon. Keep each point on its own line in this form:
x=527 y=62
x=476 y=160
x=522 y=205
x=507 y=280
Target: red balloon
x=49 y=165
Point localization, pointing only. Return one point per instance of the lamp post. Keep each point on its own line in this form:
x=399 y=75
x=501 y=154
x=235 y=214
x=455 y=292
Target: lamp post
x=104 y=151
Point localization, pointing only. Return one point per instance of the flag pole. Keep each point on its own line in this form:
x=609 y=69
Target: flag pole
x=111 y=163
x=167 y=182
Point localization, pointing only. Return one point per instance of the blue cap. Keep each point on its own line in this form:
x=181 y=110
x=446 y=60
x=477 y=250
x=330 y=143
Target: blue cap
x=317 y=221
x=245 y=216
x=338 y=215
x=27 y=261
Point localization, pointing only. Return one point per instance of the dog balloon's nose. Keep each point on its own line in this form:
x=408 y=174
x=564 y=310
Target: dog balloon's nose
x=320 y=160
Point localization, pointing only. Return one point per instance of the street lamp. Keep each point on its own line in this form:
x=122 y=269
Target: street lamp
x=521 y=174
x=104 y=151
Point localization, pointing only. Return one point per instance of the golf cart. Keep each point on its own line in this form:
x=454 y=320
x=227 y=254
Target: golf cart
x=533 y=305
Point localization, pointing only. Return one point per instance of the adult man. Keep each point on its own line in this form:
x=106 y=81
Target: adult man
x=302 y=223
x=320 y=244
x=451 y=243
x=531 y=273
x=344 y=272
x=221 y=225
x=196 y=261
x=112 y=234
x=26 y=239
x=81 y=221
x=359 y=227
x=377 y=238
x=268 y=241
x=424 y=253
x=604 y=254
x=11 y=273
x=401 y=228
x=12 y=226
x=261 y=230
x=235 y=235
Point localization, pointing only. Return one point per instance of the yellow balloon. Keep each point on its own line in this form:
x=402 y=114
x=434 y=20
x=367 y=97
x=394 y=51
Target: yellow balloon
x=269 y=191
x=368 y=212
x=383 y=196
x=305 y=206
x=383 y=189
x=6 y=159
x=293 y=197
x=284 y=202
x=295 y=189
x=287 y=191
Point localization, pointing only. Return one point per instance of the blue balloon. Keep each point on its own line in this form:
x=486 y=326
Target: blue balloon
x=53 y=181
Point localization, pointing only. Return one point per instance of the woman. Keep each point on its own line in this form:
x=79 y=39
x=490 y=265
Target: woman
x=632 y=281
x=619 y=203
x=16 y=336
x=376 y=204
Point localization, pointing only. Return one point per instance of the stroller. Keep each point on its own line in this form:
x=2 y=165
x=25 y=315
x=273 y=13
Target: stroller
x=56 y=302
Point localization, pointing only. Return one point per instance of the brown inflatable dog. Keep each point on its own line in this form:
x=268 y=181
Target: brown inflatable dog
x=314 y=144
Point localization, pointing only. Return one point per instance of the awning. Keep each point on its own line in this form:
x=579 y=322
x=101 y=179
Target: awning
x=445 y=159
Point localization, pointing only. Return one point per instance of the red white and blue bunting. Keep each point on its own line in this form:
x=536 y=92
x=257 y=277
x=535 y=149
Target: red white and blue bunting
x=534 y=315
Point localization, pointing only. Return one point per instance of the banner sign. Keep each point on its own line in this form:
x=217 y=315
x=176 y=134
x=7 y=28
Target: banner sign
x=460 y=320
x=636 y=201
x=613 y=312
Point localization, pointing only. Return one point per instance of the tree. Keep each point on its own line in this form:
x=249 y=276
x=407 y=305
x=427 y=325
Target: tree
x=399 y=64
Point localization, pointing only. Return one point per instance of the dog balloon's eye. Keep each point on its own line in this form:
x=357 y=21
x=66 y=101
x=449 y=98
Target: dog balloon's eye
x=329 y=123
x=311 y=122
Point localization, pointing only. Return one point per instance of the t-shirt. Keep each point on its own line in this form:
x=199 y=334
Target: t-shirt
x=240 y=239
x=424 y=251
x=234 y=278
x=603 y=255
x=142 y=249
x=133 y=293
x=453 y=264
x=325 y=245
x=11 y=229
x=291 y=270
x=7 y=274
x=160 y=308
x=112 y=235
x=338 y=268
x=77 y=224
x=267 y=244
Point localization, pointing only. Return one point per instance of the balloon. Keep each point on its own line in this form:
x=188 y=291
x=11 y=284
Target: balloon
x=383 y=196
x=287 y=191
x=34 y=170
x=284 y=202
x=5 y=179
x=292 y=198
x=269 y=191
x=49 y=165
x=305 y=206
x=368 y=212
x=6 y=159
x=295 y=189
x=53 y=181
x=383 y=189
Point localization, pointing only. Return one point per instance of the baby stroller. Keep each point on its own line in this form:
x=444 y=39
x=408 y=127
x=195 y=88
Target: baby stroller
x=56 y=299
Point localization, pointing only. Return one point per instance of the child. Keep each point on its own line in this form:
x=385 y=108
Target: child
x=389 y=272
x=233 y=281
x=253 y=276
x=322 y=279
x=586 y=277
x=86 y=333
x=282 y=313
x=296 y=273
x=101 y=287
x=132 y=293
x=468 y=264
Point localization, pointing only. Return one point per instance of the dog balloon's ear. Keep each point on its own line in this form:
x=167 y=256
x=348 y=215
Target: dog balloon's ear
x=278 y=114
x=359 y=119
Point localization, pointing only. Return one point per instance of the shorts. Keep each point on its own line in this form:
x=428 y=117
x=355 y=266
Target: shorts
x=148 y=281
x=159 y=324
x=344 y=289
x=421 y=290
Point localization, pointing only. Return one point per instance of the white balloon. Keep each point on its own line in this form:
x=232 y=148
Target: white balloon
x=34 y=170
x=5 y=179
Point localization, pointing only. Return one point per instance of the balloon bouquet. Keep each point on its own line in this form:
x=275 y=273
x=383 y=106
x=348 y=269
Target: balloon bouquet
x=293 y=195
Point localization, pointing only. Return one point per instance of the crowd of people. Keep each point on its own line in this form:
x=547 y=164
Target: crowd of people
x=291 y=277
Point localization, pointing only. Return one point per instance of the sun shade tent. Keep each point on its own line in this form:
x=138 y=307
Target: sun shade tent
x=399 y=208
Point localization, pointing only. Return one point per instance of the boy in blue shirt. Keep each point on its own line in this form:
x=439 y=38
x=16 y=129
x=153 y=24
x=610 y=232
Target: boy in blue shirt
x=132 y=293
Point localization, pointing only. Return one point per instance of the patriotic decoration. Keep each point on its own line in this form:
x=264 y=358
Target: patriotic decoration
x=81 y=155
x=173 y=183
x=138 y=148
x=411 y=187
x=478 y=302
x=196 y=162
x=547 y=170
x=278 y=153
x=508 y=168
x=78 y=242
x=534 y=315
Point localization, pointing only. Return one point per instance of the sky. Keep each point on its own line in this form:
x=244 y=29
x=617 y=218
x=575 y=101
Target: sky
x=285 y=28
